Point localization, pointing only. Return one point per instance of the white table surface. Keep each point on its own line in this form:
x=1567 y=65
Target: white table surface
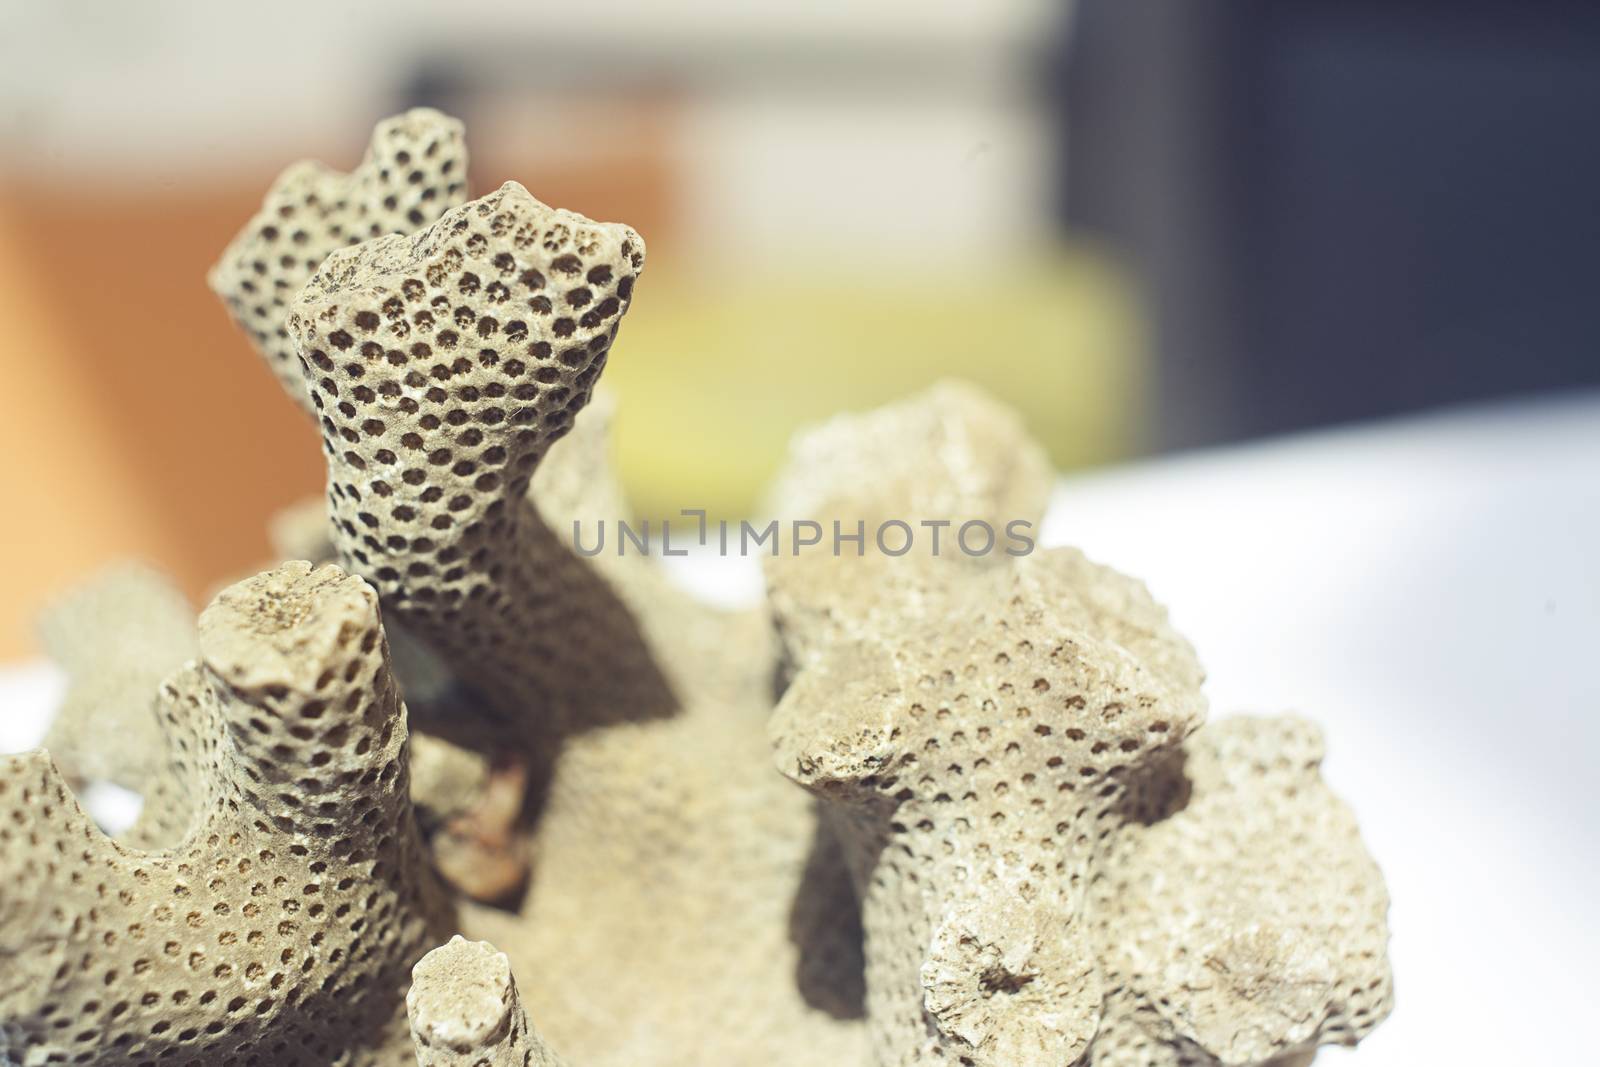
x=1427 y=589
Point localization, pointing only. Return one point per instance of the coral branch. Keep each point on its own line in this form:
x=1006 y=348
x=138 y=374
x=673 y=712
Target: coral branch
x=446 y=366
x=414 y=170
x=465 y=1011
x=944 y=457
x=282 y=927
x=974 y=761
x=443 y=367
x=1052 y=863
x=1250 y=924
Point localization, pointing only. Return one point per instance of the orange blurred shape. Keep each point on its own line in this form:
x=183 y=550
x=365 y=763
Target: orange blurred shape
x=138 y=422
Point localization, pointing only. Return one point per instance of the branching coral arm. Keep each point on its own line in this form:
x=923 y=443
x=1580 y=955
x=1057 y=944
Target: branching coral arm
x=414 y=170
x=442 y=367
x=465 y=1011
x=283 y=925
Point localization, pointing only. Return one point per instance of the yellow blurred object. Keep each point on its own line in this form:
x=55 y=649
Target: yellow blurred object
x=713 y=379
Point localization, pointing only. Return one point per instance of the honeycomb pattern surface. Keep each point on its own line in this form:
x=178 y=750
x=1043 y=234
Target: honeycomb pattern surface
x=442 y=367
x=1011 y=751
x=281 y=929
x=639 y=710
x=414 y=170
x=1250 y=922
x=974 y=763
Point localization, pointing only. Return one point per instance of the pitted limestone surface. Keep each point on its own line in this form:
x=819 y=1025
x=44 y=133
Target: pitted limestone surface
x=282 y=927
x=465 y=1011
x=415 y=169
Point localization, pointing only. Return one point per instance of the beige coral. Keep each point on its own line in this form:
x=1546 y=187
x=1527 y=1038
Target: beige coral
x=442 y=367
x=976 y=759
x=414 y=170
x=281 y=928
x=475 y=849
x=1016 y=844
x=1250 y=922
x=1047 y=867
x=465 y=1011
x=934 y=462
x=446 y=365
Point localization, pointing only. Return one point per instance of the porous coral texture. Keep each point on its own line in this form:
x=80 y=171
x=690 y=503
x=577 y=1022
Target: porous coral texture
x=1002 y=746
x=445 y=366
x=976 y=759
x=932 y=463
x=414 y=170
x=442 y=367
x=282 y=928
x=465 y=1011
x=1250 y=922
x=1016 y=845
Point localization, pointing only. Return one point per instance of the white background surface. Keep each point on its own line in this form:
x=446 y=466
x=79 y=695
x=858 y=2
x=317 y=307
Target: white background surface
x=1429 y=591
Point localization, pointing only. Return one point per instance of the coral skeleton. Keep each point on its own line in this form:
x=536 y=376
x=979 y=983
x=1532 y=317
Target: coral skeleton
x=465 y=1011
x=414 y=170
x=281 y=928
x=442 y=790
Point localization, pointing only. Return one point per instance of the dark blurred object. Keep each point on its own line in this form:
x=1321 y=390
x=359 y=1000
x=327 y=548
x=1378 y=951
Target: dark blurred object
x=1346 y=208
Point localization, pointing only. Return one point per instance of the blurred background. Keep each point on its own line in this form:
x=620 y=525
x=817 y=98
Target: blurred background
x=1150 y=226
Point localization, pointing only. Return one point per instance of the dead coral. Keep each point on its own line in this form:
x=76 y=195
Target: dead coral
x=1055 y=862
x=1006 y=748
x=1251 y=922
x=976 y=758
x=282 y=928
x=465 y=1011
x=470 y=349
x=414 y=170
x=442 y=367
